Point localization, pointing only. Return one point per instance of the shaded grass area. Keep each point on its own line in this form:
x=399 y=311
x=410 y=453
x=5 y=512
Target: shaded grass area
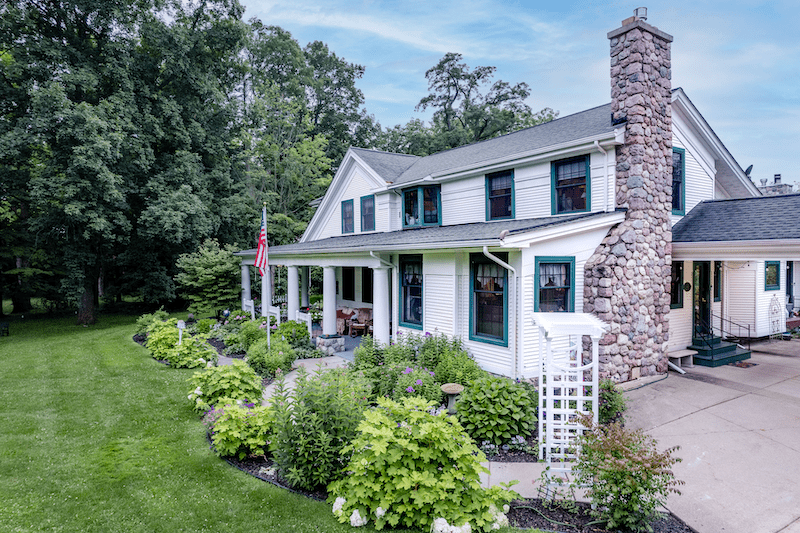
x=97 y=436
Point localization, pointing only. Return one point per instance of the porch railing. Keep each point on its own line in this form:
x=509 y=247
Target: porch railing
x=729 y=330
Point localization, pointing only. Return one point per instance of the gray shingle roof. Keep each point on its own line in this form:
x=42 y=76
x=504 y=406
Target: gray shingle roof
x=741 y=219
x=435 y=237
x=589 y=123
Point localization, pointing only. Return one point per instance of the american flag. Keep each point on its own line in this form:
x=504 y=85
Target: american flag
x=263 y=250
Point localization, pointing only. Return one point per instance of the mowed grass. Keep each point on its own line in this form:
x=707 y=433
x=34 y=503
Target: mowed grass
x=97 y=436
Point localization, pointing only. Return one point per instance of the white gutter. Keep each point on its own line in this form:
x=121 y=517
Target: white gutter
x=385 y=262
x=515 y=368
x=605 y=172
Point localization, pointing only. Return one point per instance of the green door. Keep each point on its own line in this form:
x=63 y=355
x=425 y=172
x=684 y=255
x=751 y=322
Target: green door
x=702 y=297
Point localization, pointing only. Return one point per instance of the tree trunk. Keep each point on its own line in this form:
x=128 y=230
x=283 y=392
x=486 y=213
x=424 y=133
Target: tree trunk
x=86 y=311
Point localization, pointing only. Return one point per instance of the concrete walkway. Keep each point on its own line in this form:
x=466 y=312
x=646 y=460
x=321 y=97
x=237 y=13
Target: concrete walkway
x=739 y=433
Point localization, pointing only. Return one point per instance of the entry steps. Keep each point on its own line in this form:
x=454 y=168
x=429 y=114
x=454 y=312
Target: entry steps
x=713 y=351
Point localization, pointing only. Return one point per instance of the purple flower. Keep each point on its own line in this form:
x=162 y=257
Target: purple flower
x=409 y=389
x=427 y=334
x=408 y=370
x=431 y=373
x=419 y=382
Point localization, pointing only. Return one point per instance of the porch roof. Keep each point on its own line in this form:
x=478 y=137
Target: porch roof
x=762 y=218
x=459 y=235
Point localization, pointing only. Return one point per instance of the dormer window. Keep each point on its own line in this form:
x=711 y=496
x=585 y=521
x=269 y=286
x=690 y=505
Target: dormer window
x=421 y=207
x=571 y=185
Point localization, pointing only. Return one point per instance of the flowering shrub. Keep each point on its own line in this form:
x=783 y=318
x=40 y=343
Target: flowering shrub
x=409 y=468
x=266 y=360
x=434 y=347
x=496 y=409
x=295 y=333
x=628 y=479
x=314 y=423
x=369 y=354
x=612 y=403
x=416 y=381
x=236 y=381
x=239 y=428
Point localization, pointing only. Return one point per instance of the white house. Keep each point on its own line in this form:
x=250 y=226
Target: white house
x=574 y=215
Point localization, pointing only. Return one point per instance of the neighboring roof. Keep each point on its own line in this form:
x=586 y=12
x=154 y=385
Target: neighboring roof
x=741 y=219
x=387 y=164
x=586 y=124
x=436 y=237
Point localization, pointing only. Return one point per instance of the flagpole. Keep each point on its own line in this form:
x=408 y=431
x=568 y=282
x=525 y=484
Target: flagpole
x=266 y=300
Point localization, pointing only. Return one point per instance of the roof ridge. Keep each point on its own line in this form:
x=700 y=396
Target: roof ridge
x=374 y=151
x=774 y=196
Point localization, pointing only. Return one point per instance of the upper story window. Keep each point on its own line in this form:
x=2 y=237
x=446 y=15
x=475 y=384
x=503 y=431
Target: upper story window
x=422 y=206
x=368 y=213
x=555 y=283
x=348 y=225
x=571 y=186
x=500 y=195
x=678 y=181
x=676 y=286
x=772 y=275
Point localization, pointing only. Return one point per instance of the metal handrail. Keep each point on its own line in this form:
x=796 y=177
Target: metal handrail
x=728 y=333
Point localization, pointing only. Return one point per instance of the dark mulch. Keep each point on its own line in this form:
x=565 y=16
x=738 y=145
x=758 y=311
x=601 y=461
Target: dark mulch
x=219 y=346
x=516 y=456
x=534 y=513
x=140 y=338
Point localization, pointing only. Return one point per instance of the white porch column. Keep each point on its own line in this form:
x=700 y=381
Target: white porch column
x=380 y=306
x=329 y=300
x=292 y=293
x=304 y=287
x=245 y=284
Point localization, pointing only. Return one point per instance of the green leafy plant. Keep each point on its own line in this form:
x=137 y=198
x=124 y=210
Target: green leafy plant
x=239 y=428
x=295 y=333
x=162 y=337
x=250 y=333
x=203 y=327
x=436 y=346
x=411 y=468
x=457 y=367
x=314 y=423
x=417 y=381
x=267 y=358
x=496 y=409
x=209 y=278
x=612 y=403
x=369 y=354
x=382 y=377
x=236 y=381
x=628 y=478
x=192 y=352
x=144 y=322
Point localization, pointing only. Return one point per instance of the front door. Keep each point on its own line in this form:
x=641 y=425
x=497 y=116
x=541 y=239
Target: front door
x=702 y=297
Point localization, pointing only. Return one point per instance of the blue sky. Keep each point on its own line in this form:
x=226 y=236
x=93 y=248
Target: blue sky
x=738 y=61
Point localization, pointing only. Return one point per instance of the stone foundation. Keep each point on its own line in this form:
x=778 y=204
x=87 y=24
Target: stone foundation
x=627 y=279
x=329 y=345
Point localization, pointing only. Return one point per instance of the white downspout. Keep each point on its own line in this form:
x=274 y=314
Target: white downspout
x=515 y=368
x=605 y=172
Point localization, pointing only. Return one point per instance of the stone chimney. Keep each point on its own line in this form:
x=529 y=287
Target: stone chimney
x=627 y=279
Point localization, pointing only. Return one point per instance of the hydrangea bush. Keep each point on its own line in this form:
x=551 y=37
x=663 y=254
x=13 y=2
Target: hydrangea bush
x=410 y=467
x=239 y=428
x=496 y=409
x=236 y=381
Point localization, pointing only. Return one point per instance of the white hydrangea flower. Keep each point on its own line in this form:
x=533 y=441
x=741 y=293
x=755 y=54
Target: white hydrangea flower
x=190 y=397
x=338 y=504
x=506 y=508
x=210 y=364
x=198 y=391
x=356 y=520
x=440 y=525
x=380 y=511
x=238 y=402
x=201 y=360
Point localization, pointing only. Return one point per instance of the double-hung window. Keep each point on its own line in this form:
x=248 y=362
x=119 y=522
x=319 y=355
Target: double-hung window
x=368 y=213
x=571 y=186
x=348 y=225
x=500 y=195
x=676 y=286
x=555 y=284
x=411 y=291
x=421 y=207
x=678 y=181
x=489 y=300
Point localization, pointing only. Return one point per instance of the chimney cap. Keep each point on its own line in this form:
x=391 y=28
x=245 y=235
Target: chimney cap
x=640 y=13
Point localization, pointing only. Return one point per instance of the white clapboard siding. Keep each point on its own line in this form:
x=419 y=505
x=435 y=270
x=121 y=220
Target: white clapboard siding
x=740 y=293
x=438 y=298
x=532 y=191
x=681 y=319
x=357 y=187
x=764 y=300
x=464 y=201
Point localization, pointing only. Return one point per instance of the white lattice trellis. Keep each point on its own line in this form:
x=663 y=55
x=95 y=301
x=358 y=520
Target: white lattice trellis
x=568 y=387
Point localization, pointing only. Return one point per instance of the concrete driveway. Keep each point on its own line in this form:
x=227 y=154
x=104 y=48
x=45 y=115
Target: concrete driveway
x=739 y=433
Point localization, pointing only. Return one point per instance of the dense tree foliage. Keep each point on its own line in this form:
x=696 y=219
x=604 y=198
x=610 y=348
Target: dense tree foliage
x=208 y=278
x=132 y=132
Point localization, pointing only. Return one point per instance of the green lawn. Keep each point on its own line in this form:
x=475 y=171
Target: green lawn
x=97 y=436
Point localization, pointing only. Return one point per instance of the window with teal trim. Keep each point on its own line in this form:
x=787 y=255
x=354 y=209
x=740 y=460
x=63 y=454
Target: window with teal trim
x=368 y=213
x=676 y=286
x=411 y=291
x=772 y=276
x=717 y=281
x=555 y=280
x=421 y=207
x=488 y=304
x=500 y=195
x=571 y=185
x=348 y=224
x=678 y=181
